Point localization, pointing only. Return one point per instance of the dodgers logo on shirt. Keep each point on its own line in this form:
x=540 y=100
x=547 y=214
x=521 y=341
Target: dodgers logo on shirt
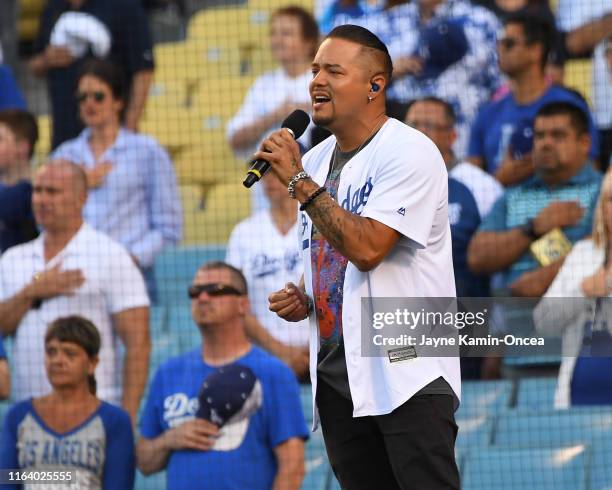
x=264 y=265
x=178 y=407
x=355 y=201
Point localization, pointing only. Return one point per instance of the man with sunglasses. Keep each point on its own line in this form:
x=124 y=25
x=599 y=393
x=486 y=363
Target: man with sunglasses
x=201 y=447
x=116 y=30
x=523 y=53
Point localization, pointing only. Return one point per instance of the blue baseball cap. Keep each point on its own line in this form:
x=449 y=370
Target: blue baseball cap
x=521 y=141
x=228 y=397
x=442 y=44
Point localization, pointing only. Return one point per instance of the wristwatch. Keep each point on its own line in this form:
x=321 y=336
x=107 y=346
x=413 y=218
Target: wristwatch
x=528 y=229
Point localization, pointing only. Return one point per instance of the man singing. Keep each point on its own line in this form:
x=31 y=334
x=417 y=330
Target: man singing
x=374 y=223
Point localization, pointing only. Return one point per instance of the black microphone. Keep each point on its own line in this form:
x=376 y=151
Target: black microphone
x=296 y=123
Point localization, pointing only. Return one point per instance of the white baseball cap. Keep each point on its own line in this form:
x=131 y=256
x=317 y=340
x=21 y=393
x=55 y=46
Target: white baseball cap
x=79 y=31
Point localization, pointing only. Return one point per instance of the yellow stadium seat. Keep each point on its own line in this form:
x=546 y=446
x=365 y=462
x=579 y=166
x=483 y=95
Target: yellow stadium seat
x=218 y=100
x=43 y=146
x=31 y=8
x=189 y=62
x=208 y=164
x=191 y=198
x=173 y=129
x=176 y=62
x=29 y=19
x=578 y=76
x=224 y=206
x=228 y=24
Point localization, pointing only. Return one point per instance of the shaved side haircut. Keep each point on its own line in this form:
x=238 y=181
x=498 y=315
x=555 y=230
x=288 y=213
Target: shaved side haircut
x=369 y=43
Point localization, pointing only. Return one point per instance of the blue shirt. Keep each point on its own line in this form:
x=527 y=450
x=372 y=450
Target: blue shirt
x=495 y=123
x=131 y=49
x=10 y=95
x=2 y=351
x=466 y=84
x=525 y=201
x=100 y=450
x=362 y=13
x=17 y=224
x=173 y=399
x=138 y=203
x=464 y=218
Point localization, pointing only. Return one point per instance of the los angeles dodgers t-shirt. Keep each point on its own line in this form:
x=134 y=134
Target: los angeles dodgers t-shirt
x=173 y=400
x=100 y=450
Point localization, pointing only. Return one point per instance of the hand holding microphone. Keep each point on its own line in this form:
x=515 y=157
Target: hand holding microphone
x=280 y=150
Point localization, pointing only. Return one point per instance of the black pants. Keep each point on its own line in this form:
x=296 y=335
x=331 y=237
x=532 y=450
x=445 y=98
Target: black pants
x=410 y=448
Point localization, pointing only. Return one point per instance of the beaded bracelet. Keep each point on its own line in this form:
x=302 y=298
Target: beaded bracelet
x=312 y=197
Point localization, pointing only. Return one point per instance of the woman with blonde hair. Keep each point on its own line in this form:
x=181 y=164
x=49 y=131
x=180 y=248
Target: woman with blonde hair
x=70 y=434
x=585 y=281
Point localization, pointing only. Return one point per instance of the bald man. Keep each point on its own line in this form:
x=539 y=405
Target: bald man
x=72 y=269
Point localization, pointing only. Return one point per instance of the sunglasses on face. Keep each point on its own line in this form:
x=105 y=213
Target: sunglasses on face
x=216 y=289
x=97 y=96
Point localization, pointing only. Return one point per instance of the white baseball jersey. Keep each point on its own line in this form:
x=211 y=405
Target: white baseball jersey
x=112 y=284
x=398 y=179
x=268 y=260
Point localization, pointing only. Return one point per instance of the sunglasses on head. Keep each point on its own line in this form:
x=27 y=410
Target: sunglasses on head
x=97 y=96
x=216 y=289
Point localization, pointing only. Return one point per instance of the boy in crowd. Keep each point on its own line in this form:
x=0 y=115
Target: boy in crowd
x=18 y=136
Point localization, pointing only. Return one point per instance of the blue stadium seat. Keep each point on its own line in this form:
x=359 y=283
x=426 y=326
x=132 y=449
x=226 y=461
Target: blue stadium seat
x=156 y=481
x=536 y=393
x=162 y=348
x=318 y=471
x=184 y=334
x=533 y=361
x=553 y=428
x=526 y=469
x=158 y=321
x=475 y=431
x=306 y=398
x=600 y=469
x=484 y=398
x=175 y=268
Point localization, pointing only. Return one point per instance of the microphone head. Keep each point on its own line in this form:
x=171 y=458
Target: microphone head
x=297 y=122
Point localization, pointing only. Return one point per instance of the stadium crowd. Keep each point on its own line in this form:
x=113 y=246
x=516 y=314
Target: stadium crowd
x=80 y=230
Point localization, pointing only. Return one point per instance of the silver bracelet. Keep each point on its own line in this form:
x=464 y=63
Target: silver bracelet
x=294 y=180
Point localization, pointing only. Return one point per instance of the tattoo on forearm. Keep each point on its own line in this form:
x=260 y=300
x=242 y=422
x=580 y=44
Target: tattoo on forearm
x=331 y=221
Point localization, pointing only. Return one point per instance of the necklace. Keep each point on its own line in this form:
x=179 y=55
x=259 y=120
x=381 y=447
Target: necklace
x=375 y=128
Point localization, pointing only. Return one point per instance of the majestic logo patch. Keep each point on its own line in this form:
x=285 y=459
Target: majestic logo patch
x=402 y=211
x=402 y=354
